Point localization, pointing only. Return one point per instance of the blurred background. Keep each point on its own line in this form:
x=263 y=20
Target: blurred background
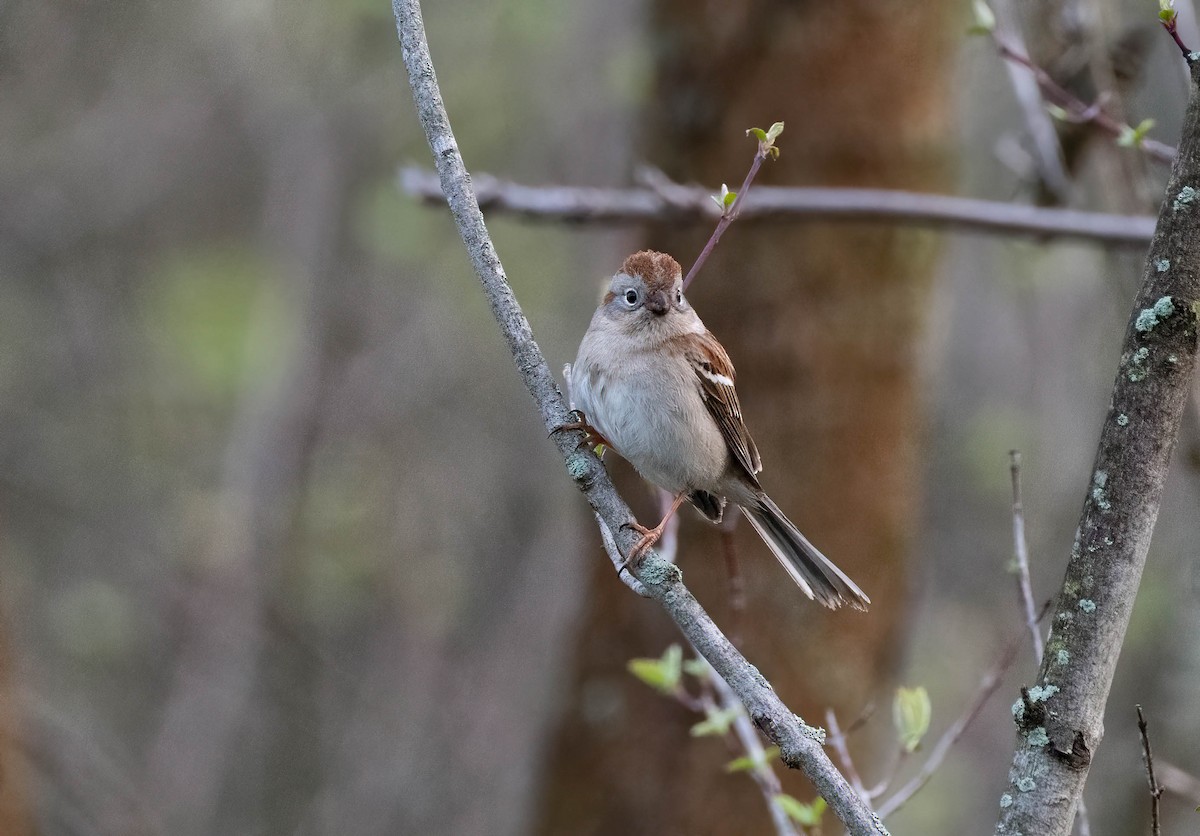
x=283 y=548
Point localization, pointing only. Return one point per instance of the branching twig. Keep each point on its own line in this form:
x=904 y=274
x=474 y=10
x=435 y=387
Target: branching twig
x=800 y=745
x=693 y=204
x=1024 y=586
x=748 y=741
x=729 y=213
x=1054 y=749
x=1156 y=791
x=744 y=738
x=837 y=739
x=1079 y=111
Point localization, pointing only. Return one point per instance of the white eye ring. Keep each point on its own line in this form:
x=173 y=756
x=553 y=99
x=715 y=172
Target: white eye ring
x=631 y=297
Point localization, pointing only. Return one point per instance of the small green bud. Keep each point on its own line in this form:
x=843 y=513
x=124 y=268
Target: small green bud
x=911 y=712
x=985 y=19
x=716 y=722
x=805 y=815
x=660 y=674
x=747 y=763
x=1132 y=137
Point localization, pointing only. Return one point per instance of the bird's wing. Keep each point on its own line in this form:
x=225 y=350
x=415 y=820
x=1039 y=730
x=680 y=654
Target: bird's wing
x=715 y=375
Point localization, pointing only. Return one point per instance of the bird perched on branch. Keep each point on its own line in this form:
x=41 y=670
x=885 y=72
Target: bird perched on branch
x=653 y=384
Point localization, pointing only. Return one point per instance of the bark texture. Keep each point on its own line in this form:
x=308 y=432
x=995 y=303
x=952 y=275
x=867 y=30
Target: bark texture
x=1060 y=720
x=822 y=322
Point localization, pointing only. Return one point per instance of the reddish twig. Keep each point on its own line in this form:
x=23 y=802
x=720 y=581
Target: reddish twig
x=730 y=213
x=1078 y=110
x=1172 y=27
x=1156 y=790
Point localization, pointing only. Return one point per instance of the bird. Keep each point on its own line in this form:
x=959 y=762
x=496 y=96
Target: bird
x=652 y=383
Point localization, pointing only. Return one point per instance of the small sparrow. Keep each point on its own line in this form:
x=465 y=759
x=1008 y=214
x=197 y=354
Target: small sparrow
x=653 y=384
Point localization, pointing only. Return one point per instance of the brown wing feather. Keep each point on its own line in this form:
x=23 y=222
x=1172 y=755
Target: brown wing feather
x=715 y=376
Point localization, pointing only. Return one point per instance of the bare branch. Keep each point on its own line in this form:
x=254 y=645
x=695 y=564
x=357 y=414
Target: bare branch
x=1156 y=791
x=692 y=204
x=1056 y=740
x=837 y=739
x=800 y=745
x=1022 y=554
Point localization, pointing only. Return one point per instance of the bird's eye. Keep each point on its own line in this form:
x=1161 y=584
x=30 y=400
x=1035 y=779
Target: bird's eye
x=631 y=296
x=678 y=296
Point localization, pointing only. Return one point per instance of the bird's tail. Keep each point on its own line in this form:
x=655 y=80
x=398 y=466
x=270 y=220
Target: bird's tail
x=811 y=570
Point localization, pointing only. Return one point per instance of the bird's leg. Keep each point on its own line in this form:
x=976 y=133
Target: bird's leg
x=650 y=536
x=581 y=423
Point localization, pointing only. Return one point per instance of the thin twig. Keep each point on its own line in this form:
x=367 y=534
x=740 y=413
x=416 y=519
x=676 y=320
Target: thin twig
x=748 y=741
x=1025 y=589
x=837 y=739
x=1156 y=791
x=692 y=204
x=800 y=745
x=745 y=740
x=1079 y=111
x=1024 y=586
x=1172 y=27
x=899 y=757
x=987 y=687
x=728 y=216
x=737 y=583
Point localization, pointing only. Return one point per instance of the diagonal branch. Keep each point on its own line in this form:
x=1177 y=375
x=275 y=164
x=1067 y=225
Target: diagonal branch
x=800 y=745
x=673 y=202
x=1061 y=723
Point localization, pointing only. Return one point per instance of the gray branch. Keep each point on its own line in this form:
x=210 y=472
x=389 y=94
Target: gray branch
x=800 y=745
x=666 y=201
x=1059 y=721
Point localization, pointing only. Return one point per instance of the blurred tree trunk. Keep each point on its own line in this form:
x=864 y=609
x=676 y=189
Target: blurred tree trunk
x=824 y=324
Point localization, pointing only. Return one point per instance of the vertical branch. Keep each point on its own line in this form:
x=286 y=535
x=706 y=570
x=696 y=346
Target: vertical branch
x=1025 y=587
x=1061 y=725
x=737 y=583
x=1156 y=791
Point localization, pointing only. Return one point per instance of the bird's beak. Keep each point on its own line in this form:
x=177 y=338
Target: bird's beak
x=656 y=302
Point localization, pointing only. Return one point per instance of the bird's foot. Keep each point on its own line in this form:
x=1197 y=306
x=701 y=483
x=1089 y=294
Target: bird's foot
x=592 y=436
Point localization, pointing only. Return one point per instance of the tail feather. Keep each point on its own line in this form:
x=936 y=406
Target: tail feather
x=814 y=573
